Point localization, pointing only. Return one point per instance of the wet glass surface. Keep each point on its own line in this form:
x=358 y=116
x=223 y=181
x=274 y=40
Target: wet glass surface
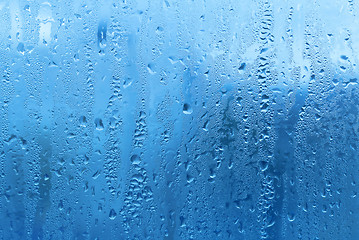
x=164 y=119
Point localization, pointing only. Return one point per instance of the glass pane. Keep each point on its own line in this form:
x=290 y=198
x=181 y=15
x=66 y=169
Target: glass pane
x=165 y=119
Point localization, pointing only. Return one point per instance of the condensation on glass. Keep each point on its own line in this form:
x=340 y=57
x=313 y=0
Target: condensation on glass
x=179 y=119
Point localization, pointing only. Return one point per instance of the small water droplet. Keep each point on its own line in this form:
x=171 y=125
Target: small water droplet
x=96 y=174
x=101 y=34
x=83 y=121
x=150 y=68
x=159 y=29
x=263 y=165
x=27 y=8
x=61 y=205
x=76 y=57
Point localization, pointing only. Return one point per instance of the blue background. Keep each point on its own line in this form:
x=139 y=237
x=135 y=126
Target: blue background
x=182 y=119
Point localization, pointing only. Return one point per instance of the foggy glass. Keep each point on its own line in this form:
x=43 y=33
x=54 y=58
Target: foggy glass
x=187 y=119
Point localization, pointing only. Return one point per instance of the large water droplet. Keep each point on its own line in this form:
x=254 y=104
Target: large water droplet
x=112 y=214
x=187 y=109
x=99 y=124
x=135 y=159
x=21 y=48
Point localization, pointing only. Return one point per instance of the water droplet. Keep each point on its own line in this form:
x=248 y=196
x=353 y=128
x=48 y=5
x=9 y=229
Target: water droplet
x=27 y=8
x=240 y=227
x=61 y=205
x=127 y=82
x=83 y=121
x=182 y=221
x=150 y=68
x=112 y=214
x=159 y=29
x=291 y=217
x=99 y=124
x=263 y=165
x=21 y=48
x=135 y=159
x=241 y=68
x=76 y=57
x=96 y=174
x=187 y=109
x=101 y=34
x=138 y=177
